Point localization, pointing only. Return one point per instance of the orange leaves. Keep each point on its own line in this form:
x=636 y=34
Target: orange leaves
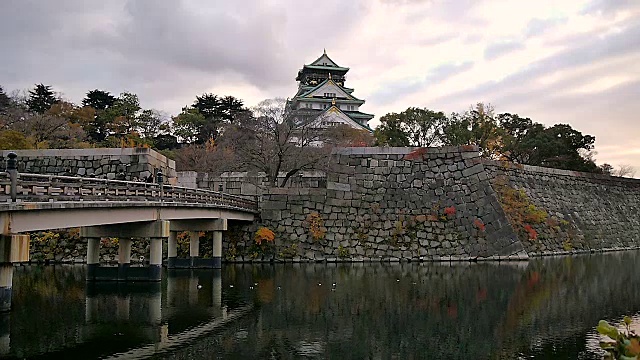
x=316 y=228
x=479 y=224
x=264 y=234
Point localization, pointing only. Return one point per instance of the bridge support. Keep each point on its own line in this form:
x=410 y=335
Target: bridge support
x=124 y=257
x=13 y=248
x=194 y=260
x=172 y=249
x=156 y=231
x=194 y=244
x=217 y=249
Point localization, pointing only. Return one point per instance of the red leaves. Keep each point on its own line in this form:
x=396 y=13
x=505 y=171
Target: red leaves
x=450 y=211
x=533 y=234
x=417 y=154
x=479 y=224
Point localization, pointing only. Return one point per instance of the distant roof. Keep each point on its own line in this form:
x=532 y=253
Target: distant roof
x=348 y=93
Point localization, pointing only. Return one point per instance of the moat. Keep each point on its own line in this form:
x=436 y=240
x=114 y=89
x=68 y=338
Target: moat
x=545 y=308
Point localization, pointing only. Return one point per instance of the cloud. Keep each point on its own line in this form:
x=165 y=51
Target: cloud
x=520 y=85
x=610 y=7
x=537 y=27
x=392 y=92
x=495 y=50
x=163 y=50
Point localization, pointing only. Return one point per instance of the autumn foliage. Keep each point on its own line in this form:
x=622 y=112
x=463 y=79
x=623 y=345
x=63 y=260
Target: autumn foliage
x=316 y=228
x=264 y=234
x=450 y=211
x=533 y=234
x=479 y=224
x=417 y=154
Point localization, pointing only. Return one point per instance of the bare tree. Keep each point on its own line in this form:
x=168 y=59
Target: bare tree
x=276 y=139
x=625 y=170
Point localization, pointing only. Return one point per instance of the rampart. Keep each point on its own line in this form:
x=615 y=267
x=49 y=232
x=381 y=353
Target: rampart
x=431 y=204
x=109 y=163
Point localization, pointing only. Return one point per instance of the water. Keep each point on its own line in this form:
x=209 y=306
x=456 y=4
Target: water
x=541 y=309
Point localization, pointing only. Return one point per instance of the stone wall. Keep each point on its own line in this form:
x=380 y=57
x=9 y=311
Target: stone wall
x=66 y=246
x=124 y=163
x=389 y=204
x=243 y=183
x=572 y=211
x=441 y=204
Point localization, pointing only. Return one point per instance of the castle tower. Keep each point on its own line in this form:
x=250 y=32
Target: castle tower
x=321 y=90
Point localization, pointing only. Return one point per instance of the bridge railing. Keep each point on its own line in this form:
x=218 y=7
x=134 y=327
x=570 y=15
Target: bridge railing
x=53 y=188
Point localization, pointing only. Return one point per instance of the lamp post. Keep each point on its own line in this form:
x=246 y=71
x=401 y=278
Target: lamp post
x=12 y=169
x=160 y=180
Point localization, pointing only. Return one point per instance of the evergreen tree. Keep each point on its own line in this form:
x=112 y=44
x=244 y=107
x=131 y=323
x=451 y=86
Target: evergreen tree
x=216 y=112
x=41 y=98
x=5 y=101
x=98 y=99
x=98 y=129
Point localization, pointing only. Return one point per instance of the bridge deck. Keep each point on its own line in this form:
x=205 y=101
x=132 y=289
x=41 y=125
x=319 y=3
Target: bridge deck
x=45 y=202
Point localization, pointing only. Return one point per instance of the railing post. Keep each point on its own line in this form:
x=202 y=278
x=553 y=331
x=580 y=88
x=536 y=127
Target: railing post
x=160 y=179
x=12 y=169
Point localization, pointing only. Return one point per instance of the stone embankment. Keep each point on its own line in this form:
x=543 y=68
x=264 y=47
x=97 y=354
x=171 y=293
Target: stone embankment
x=123 y=164
x=447 y=203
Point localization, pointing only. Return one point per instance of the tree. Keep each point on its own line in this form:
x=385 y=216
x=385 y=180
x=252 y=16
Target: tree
x=216 y=111
x=187 y=124
x=123 y=114
x=343 y=135
x=14 y=140
x=41 y=98
x=150 y=123
x=412 y=127
x=5 y=101
x=98 y=99
x=607 y=169
x=97 y=129
x=625 y=170
x=477 y=126
x=390 y=132
x=277 y=139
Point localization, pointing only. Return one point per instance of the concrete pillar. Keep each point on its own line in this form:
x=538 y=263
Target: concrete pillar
x=172 y=249
x=155 y=259
x=194 y=243
x=93 y=257
x=217 y=249
x=6 y=280
x=124 y=258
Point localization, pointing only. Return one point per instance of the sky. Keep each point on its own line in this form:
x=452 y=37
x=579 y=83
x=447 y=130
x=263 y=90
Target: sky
x=562 y=61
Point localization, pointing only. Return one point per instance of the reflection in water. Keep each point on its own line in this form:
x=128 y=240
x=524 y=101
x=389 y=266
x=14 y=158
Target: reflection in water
x=543 y=309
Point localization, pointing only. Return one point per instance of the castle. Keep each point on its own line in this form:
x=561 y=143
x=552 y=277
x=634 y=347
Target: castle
x=322 y=93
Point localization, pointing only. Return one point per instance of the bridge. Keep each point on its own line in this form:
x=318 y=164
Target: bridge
x=112 y=208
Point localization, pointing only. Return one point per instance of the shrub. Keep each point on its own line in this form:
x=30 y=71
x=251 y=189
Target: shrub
x=315 y=223
x=264 y=234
